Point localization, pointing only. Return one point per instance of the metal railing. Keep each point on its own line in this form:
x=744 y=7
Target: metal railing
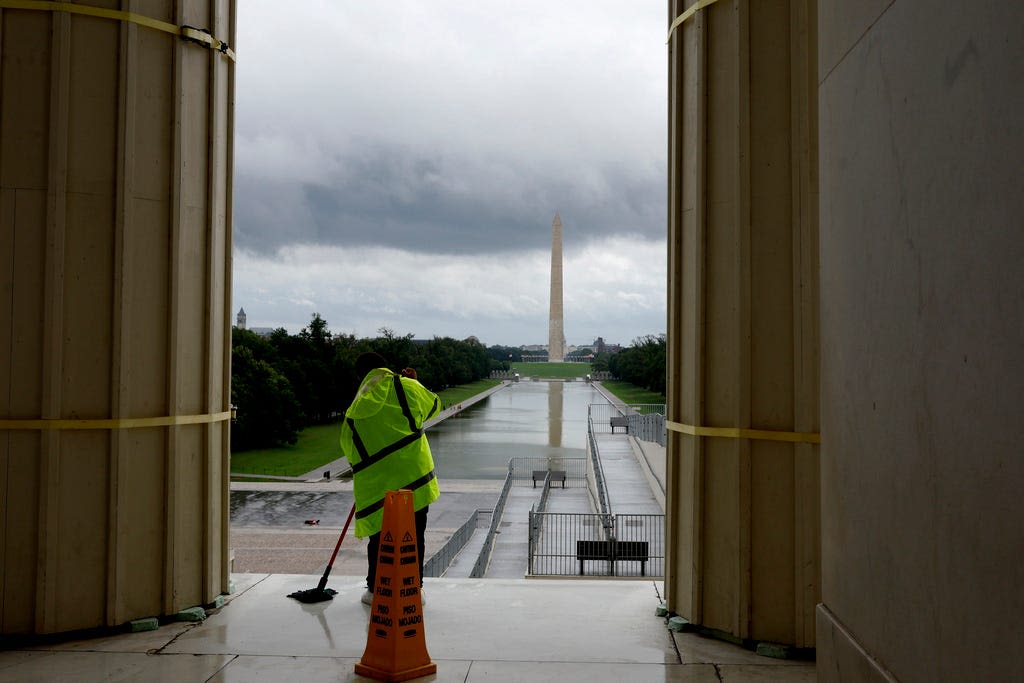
x=542 y=505
x=522 y=468
x=569 y=544
x=650 y=427
x=480 y=568
x=439 y=562
x=646 y=421
x=598 y=544
x=595 y=463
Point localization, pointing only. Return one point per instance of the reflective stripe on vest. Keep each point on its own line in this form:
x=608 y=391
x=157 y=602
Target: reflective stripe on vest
x=403 y=401
x=412 y=486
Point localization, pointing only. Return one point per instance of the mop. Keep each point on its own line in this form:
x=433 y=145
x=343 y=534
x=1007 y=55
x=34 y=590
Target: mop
x=320 y=593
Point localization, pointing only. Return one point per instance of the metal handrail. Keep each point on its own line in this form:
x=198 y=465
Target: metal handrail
x=542 y=505
x=480 y=568
x=533 y=538
x=440 y=561
x=534 y=531
x=646 y=420
x=602 y=491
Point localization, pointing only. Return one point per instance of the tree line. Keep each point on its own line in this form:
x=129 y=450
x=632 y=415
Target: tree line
x=642 y=364
x=283 y=383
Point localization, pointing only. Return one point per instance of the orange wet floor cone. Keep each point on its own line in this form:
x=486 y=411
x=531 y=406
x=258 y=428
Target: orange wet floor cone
x=396 y=646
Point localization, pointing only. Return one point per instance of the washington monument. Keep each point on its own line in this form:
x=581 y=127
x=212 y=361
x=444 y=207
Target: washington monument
x=556 y=333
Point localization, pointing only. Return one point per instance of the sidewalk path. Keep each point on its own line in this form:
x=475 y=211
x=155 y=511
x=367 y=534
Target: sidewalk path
x=649 y=454
x=629 y=491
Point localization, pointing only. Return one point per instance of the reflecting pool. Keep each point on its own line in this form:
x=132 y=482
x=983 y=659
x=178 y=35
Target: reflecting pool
x=526 y=419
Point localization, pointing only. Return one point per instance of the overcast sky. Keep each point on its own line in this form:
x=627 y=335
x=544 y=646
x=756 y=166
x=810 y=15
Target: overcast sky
x=398 y=165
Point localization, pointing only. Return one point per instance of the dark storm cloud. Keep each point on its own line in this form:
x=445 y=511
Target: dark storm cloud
x=398 y=165
x=391 y=197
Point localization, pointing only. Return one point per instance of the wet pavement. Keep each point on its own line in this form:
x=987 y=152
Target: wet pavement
x=269 y=531
x=493 y=630
x=288 y=508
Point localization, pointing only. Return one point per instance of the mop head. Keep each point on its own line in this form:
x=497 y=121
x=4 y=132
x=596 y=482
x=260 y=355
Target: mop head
x=314 y=595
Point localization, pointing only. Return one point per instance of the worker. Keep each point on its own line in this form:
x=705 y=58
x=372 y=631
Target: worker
x=382 y=438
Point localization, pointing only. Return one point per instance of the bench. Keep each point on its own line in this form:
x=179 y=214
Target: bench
x=612 y=552
x=619 y=421
x=556 y=475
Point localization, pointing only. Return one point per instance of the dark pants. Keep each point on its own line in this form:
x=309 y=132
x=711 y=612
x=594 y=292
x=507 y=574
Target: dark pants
x=374 y=547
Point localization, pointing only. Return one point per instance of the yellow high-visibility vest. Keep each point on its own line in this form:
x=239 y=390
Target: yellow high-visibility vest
x=382 y=438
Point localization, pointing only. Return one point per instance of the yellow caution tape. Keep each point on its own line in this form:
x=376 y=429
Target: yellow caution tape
x=738 y=433
x=116 y=423
x=189 y=33
x=689 y=12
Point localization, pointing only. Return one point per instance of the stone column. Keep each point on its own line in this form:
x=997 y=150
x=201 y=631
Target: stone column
x=115 y=248
x=556 y=333
x=742 y=355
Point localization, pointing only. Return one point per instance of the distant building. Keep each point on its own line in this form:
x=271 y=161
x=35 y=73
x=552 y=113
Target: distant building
x=240 y=324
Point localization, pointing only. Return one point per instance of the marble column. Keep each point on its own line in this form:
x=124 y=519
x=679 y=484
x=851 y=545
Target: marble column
x=115 y=265
x=742 y=356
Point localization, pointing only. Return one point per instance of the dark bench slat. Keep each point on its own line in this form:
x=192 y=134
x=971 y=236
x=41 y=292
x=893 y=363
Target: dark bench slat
x=556 y=475
x=594 y=550
x=619 y=421
x=612 y=552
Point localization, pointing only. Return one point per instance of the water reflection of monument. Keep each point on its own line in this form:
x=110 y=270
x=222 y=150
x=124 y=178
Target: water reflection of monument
x=555 y=414
x=555 y=398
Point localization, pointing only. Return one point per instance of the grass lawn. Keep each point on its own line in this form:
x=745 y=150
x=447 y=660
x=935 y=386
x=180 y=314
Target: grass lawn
x=317 y=446
x=551 y=369
x=631 y=393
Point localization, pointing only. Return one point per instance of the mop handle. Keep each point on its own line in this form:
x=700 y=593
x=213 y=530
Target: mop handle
x=337 y=546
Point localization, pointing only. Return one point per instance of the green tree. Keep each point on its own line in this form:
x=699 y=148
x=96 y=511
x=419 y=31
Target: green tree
x=306 y=360
x=317 y=333
x=287 y=382
x=268 y=412
x=642 y=364
x=321 y=400
x=346 y=348
x=504 y=356
x=261 y=347
x=398 y=350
